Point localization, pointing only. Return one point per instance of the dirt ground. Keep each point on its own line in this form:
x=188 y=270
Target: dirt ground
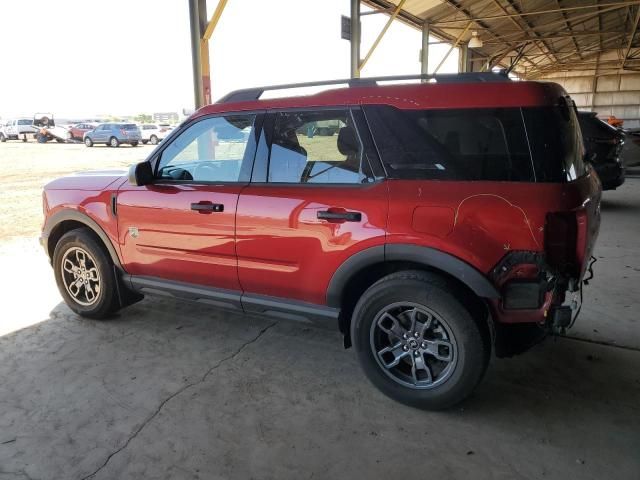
x=169 y=390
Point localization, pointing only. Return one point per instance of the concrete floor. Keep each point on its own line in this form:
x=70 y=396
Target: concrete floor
x=176 y=391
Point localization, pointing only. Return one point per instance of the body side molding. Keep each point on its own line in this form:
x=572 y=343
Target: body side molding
x=236 y=300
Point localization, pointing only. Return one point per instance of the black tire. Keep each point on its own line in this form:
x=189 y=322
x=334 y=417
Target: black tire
x=114 y=142
x=469 y=341
x=153 y=140
x=88 y=142
x=59 y=140
x=134 y=144
x=2 y=138
x=144 y=142
x=105 y=302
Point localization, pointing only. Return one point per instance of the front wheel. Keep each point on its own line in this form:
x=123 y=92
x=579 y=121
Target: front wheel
x=153 y=140
x=114 y=142
x=417 y=342
x=88 y=142
x=84 y=274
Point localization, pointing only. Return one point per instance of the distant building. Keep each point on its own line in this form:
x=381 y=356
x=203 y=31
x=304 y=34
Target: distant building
x=165 y=117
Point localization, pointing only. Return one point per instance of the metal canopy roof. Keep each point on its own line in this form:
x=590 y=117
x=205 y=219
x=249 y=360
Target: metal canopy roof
x=535 y=37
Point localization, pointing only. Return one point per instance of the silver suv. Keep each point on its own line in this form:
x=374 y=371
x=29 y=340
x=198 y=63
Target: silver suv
x=113 y=135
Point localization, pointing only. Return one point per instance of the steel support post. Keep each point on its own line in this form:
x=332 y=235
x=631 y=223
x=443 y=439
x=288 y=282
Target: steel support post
x=424 y=53
x=355 y=38
x=194 y=22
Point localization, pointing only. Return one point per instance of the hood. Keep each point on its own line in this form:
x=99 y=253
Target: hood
x=94 y=181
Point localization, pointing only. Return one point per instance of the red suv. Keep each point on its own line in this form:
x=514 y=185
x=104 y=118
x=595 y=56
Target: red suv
x=442 y=220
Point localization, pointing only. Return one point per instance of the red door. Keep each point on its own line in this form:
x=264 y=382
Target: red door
x=161 y=235
x=318 y=204
x=181 y=227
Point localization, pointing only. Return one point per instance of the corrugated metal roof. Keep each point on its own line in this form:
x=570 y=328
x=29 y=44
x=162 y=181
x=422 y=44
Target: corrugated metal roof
x=552 y=35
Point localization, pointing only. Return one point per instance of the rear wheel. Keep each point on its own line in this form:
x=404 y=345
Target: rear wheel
x=134 y=144
x=144 y=142
x=417 y=342
x=153 y=140
x=2 y=138
x=88 y=142
x=114 y=142
x=84 y=274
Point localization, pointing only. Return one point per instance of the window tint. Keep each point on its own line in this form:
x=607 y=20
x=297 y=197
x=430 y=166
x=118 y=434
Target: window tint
x=25 y=122
x=556 y=142
x=469 y=144
x=316 y=147
x=216 y=149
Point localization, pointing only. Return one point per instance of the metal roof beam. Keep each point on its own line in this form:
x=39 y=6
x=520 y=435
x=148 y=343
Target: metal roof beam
x=531 y=27
x=626 y=58
x=610 y=6
x=568 y=24
x=470 y=17
x=560 y=37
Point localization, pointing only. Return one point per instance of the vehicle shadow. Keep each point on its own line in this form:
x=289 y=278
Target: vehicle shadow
x=608 y=205
x=96 y=382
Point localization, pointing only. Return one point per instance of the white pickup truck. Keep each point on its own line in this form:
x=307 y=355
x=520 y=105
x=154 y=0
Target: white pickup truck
x=15 y=128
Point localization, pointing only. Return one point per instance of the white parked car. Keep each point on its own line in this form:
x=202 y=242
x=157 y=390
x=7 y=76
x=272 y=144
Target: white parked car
x=152 y=133
x=15 y=128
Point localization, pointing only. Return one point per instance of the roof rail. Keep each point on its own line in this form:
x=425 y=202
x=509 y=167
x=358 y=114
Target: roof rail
x=250 y=94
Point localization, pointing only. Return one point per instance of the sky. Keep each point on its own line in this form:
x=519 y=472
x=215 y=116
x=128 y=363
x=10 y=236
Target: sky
x=82 y=58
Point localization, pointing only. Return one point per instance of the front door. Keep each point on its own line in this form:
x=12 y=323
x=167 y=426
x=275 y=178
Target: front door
x=319 y=201
x=181 y=227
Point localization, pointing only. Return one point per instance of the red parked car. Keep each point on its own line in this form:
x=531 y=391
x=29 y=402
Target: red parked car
x=441 y=221
x=79 y=129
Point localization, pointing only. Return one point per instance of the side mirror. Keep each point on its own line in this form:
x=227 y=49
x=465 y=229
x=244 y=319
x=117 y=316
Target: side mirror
x=140 y=174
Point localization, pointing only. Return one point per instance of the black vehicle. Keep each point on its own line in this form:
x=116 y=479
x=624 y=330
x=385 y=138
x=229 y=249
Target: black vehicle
x=603 y=144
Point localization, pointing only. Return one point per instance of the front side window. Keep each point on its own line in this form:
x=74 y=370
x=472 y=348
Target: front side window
x=469 y=144
x=320 y=147
x=218 y=149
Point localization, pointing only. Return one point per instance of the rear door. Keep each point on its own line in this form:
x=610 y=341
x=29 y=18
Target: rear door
x=100 y=133
x=316 y=198
x=181 y=227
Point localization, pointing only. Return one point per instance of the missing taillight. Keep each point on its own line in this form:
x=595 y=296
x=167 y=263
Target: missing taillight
x=560 y=241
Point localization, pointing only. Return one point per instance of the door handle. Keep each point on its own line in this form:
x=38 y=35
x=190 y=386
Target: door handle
x=207 y=207
x=339 y=216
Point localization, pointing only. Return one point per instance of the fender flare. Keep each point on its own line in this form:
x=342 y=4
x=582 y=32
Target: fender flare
x=458 y=269
x=64 y=215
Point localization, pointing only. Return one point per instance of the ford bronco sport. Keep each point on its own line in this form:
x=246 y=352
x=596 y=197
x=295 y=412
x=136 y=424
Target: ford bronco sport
x=445 y=219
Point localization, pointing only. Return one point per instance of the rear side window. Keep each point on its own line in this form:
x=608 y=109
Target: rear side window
x=321 y=147
x=129 y=126
x=466 y=144
x=25 y=122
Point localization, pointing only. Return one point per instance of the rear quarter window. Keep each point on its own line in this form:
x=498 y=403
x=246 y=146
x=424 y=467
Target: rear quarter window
x=462 y=144
x=556 y=143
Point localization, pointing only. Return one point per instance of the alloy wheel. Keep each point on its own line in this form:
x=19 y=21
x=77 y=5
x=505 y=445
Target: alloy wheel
x=80 y=276
x=413 y=345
